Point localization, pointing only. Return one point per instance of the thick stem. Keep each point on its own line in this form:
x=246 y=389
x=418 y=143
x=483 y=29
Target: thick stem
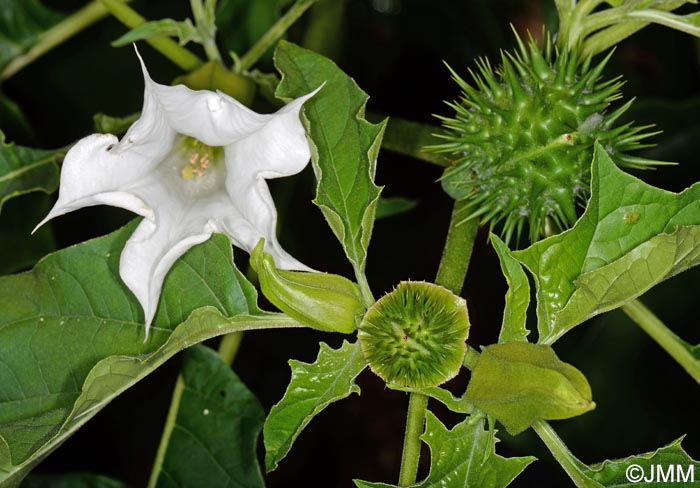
x=365 y=291
x=166 y=46
x=275 y=32
x=228 y=348
x=457 y=251
x=415 y=421
x=572 y=466
x=56 y=35
x=676 y=347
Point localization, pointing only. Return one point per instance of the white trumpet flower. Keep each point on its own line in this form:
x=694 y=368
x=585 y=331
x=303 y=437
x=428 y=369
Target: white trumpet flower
x=194 y=163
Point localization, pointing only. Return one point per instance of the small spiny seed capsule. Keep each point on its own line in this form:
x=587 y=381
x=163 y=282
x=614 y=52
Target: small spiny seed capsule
x=415 y=335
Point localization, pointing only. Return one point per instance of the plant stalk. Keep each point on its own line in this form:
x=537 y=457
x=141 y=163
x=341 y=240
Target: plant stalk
x=228 y=348
x=572 y=466
x=164 y=45
x=451 y=273
x=457 y=251
x=275 y=32
x=415 y=420
x=676 y=347
x=56 y=35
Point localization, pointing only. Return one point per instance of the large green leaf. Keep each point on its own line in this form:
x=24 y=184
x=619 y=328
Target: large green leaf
x=72 y=336
x=669 y=463
x=514 y=326
x=23 y=170
x=344 y=145
x=631 y=237
x=311 y=389
x=21 y=25
x=214 y=439
x=464 y=456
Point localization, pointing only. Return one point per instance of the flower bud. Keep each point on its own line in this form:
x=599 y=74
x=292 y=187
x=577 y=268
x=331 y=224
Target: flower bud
x=519 y=383
x=321 y=301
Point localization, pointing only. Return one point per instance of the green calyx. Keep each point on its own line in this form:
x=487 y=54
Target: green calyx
x=322 y=301
x=523 y=134
x=415 y=336
x=213 y=76
x=520 y=383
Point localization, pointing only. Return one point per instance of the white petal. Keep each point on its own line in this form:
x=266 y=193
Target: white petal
x=151 y=251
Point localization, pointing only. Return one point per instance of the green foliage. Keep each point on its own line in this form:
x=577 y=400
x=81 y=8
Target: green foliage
x=21 y=26
x=519 y=383
x=631 y=237
x=344 y=145
x=240 y=23
x=311 y=389
x=23 y=170
x=514 y=327
x=71 y=336
x=185 y=31
x=218 y=423
x=613 y=473
x=390 y=206
x=464 y=456
x=322 y=301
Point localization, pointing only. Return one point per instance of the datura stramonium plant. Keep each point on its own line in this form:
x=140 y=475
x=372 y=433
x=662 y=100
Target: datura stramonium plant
x=194 y=163
x=522 y=137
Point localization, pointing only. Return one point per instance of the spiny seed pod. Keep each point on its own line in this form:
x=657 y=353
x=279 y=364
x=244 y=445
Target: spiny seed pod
x=522 y=138
x=415 y=336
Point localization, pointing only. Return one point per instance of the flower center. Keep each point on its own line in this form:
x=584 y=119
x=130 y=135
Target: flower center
x=200 y=157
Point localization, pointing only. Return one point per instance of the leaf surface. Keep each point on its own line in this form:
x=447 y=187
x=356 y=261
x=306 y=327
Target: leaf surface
x=344 y=146
x=214 y=440
x=631 y=237
x=311 y=389
x=72 y=336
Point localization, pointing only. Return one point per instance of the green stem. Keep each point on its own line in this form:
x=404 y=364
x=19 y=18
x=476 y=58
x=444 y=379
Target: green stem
x=578 y=21
x=56 y=35
x=275 y=32
x=415 y=421
x=207 y=28
x=228 y=348
x=457 y=251
x=676 y=347
x=451 y=273
x=166 y=46
x=572 y=466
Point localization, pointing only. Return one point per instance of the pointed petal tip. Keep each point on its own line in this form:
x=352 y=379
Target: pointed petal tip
x=54 y=212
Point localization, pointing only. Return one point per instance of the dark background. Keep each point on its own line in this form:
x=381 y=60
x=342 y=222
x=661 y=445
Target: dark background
x=394 y=49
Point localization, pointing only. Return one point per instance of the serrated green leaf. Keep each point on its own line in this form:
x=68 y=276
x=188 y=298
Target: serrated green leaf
x=514 y=326
x=311 y=389
x=71 y=480
x=23 y=170
x=344 y=146
x=185 y=31
x=21 y=25
x=463 y=457
x=72 y=336
x=650 y=467
x=519 y=383
x=214 y=439
x=631 y=237
x=466 y=456
x=390 y=206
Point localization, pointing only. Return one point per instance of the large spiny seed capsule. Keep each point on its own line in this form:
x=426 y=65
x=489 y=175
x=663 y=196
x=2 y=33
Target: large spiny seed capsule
x=415 y=336
x=522 y=138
